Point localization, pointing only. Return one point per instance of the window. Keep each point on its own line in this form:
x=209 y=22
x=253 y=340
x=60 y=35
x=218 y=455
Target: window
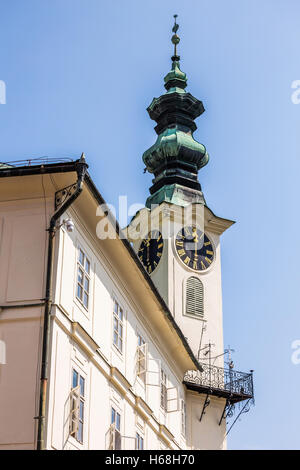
x=116 y=429
x=2 y=352
x=77 y=406
x=163 y=390
x=141 y=365
x=118 y=326
x=183 y=418
x=194 y=297
x=139 y=442
x=83 y=278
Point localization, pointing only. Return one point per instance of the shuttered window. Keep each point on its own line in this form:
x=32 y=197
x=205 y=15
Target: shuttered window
x=194 y=297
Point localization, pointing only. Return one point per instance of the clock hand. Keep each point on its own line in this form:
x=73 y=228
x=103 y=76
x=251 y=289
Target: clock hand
x=197 y=239
x=148 y=252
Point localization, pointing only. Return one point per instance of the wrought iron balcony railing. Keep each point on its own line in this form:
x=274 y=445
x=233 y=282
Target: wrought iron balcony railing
x=228 y=383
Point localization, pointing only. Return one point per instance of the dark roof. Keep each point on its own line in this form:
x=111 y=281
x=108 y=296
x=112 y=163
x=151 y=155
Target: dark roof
x=58 y=167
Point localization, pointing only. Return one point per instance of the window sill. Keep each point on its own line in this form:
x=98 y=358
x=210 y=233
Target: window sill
x=195 y=317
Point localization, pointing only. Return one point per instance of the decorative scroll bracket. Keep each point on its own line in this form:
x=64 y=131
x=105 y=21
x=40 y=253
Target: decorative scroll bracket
x=245 y=409
x=205 y=405
x=224 y=412
x=64 y=194
x=227 y=411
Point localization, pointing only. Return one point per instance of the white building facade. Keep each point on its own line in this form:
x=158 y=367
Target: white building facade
x=117 y=357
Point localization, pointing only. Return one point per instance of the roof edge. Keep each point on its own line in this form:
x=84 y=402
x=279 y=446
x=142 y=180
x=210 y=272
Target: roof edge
x=27 y=170
x=149 y=281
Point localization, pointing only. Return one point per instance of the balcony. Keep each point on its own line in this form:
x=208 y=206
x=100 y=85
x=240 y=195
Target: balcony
x=225 y=383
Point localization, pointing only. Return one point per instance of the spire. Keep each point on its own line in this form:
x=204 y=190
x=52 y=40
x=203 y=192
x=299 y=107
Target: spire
x=176 y=157
x=175 y=39
x=176 y=79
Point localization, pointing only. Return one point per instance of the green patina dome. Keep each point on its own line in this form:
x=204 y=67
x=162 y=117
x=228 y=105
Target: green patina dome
x=175 y=76
x=174 y=144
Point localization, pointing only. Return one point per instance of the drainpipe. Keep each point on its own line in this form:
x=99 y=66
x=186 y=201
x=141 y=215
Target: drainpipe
x=80 y=167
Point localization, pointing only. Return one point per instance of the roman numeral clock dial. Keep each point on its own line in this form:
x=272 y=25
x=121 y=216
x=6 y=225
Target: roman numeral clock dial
x=194 y=248
x=150 y=251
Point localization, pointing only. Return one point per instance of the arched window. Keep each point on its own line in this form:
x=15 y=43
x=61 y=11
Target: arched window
x=194 y=297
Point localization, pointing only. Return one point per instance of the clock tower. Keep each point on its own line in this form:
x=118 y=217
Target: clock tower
x=176 y=236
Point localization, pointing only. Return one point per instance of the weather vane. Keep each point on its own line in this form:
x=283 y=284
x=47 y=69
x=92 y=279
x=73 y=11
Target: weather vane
x=175 y=39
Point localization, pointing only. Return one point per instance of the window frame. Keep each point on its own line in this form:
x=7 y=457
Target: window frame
x=183 y=417
x=163 y=390
x=200 y=315
x=114 y=424
x=141 y=359
x=78 y=394
x=85 y=276
x=120 y=322
x=139 y=439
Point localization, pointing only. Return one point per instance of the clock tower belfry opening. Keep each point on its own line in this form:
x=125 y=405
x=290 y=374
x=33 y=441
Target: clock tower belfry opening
x=177 y=239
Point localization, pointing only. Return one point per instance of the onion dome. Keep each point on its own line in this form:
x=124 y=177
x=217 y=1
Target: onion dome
x=176 y=157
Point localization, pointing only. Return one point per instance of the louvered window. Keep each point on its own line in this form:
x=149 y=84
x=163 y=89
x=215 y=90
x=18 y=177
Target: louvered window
x=194 y=297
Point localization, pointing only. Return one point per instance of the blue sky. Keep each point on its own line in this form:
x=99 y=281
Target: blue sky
x=80 y=75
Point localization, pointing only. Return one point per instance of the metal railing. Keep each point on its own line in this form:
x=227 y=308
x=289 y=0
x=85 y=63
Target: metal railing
x=226 y=380
x=35 y=161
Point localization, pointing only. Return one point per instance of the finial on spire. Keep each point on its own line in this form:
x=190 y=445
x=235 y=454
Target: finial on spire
x=175 y=40
x=176 y=26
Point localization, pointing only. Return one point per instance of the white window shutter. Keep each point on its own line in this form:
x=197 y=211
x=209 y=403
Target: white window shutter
x=74 y=410
x=194 y=297
x=142 y=359
x=172 y=400
x=110 y=438
x=153 y=372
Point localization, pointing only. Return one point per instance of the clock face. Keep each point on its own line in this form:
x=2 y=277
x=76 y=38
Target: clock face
x=194 y=248
x=150 y=251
